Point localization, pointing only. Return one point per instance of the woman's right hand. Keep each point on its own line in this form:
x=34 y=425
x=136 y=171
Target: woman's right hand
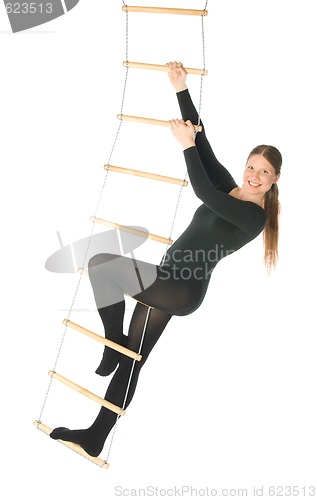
x=184 y=132
x=177 y=75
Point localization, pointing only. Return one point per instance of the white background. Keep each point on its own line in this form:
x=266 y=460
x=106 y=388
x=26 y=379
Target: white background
x=227 y=399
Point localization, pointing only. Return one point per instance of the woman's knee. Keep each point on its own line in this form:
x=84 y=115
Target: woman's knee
x=100 y=259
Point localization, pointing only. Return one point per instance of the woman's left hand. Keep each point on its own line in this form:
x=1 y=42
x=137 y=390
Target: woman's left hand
x=184 y=132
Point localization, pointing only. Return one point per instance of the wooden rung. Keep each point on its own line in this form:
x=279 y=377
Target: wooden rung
x=102 y=340
x=132 y=230
x=161 y=67
x=83 y=271
x=75 y=447
x=89 y=394
x=147 y=175
x=151 y=121
x=162 y=10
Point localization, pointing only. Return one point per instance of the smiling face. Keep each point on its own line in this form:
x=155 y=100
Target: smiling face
x=259 y=175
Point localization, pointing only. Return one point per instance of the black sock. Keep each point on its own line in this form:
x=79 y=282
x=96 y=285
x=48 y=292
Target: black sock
x=112 y=319
x=111 y=358
x=92 y=440
x=86 y=438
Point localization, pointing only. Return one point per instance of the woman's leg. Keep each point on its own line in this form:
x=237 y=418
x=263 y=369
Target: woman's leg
x=111 y=276
x=93 y=438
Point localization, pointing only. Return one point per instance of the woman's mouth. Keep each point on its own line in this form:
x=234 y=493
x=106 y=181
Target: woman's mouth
x=253 y=184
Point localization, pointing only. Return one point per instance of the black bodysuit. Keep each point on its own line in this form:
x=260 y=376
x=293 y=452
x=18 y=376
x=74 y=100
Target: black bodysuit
x=220 y=226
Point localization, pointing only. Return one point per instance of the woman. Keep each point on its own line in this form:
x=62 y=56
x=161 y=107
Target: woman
x=229 y=218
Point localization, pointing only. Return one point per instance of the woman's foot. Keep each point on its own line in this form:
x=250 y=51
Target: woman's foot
x=86 y=438
x=110 y=358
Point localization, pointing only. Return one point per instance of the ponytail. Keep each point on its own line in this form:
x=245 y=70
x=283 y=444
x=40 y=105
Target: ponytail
x=271 y=230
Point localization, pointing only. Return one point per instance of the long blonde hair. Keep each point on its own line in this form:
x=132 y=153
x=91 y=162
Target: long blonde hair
x=271 y=205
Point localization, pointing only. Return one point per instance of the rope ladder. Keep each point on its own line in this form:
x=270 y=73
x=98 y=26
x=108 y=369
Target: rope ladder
x=82 y=271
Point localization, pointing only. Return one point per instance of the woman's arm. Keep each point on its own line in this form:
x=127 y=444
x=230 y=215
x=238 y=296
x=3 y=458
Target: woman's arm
x=246 y=215
x=218 y=175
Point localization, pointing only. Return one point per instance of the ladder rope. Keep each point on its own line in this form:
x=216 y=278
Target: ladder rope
x=204 y=62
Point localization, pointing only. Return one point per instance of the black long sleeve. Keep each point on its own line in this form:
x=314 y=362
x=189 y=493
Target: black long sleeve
x=218 y=175
x=243 y=214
